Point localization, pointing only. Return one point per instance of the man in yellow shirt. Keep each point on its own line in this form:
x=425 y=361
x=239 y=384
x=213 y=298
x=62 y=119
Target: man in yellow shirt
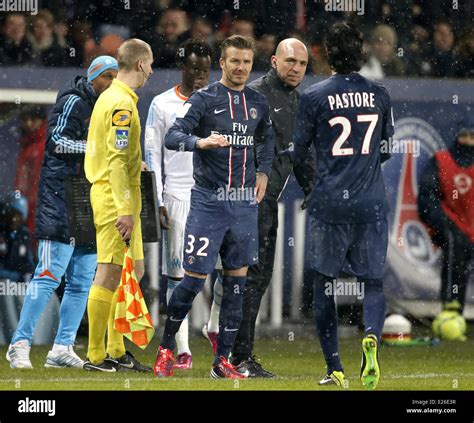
x=113 y=167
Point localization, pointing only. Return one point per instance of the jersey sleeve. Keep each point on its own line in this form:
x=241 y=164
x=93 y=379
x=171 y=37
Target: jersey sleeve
x=265 y=143
x=180 y=136
x=155 y=131
x=64 y=140
x=304 y=130
x=117 y=139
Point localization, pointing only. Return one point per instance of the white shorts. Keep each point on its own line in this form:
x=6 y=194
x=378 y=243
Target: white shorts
x=173 y=238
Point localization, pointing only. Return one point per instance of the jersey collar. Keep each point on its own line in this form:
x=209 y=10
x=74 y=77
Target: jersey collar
x=126 y=88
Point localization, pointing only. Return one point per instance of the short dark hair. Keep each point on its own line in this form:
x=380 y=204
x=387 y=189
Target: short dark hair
x=344 y=46
x=190 y=46
x=237 y=41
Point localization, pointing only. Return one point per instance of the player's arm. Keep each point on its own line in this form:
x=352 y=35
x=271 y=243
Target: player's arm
x=180 y=136
x=305 y=174
x=118 y=145
x=265 y=150
x=303 y=132
x=63 y=140
x=155 y=131
x=387 y=129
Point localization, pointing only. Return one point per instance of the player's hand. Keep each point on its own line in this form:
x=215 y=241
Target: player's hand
x=261 y=186
x=124 y=225
x=212 y=141
x=164 y=218
x=144 y=167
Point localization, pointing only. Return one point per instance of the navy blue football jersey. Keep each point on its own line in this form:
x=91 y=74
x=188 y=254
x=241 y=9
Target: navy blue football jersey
x=242 y=117
x=345 y=117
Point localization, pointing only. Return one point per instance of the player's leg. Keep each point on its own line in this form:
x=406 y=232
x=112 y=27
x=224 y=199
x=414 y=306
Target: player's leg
x=325 y=315
x=205 y=229
x=258 y=280
x=79 y=276
x=367 y=257
x=239 y=250
x=53 y=260
x=173 y=244
x=328 y=245
x=211 y=328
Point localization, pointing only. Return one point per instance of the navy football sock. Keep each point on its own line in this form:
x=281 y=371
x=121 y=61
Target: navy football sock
x=325 y=314
x=179 y=305
x=230 y=314
x=374 y=307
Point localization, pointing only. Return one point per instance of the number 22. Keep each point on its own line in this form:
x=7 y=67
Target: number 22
x=337 y=149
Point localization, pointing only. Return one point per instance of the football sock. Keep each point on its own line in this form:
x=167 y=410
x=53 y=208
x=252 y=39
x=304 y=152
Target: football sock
x=325 y=315
x=115 y=344
x=231 y=313
x=98 y=309
x=213 y=324
x=374 y=307
x=179 y=305
x=182 y=337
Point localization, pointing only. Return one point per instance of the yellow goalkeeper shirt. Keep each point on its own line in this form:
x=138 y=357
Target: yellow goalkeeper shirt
x=113 y=153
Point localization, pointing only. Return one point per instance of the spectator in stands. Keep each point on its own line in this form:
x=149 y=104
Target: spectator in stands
x=82 y=47
x=442 y=54
x=16 y=256
x=464 y=64
x=173 y=23
x=244 y=27
x=48 y=46
x=266 y=46
x=418 y=52
x=15 y=49
x=28 y=169
x=383 y=60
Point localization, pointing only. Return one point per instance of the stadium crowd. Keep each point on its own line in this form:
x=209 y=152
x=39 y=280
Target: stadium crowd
x=415 y=38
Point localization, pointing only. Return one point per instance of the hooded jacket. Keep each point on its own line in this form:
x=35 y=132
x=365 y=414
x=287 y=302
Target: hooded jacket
x=66 y=137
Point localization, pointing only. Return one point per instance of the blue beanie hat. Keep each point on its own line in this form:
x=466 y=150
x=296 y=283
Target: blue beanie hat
x=101 y=64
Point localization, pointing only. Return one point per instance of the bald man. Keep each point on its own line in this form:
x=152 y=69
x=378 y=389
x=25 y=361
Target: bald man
x=279 y=87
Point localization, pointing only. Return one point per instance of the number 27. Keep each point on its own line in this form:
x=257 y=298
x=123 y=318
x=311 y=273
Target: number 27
x=337 y=149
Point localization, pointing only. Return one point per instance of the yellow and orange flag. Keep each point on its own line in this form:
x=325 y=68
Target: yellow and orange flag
x=132 y=318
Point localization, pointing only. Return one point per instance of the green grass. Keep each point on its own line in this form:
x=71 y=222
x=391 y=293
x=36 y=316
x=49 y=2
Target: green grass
x=298 y=364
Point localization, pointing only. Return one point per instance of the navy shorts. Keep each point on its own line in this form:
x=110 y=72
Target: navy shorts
x=357 y=249
x=219 y=226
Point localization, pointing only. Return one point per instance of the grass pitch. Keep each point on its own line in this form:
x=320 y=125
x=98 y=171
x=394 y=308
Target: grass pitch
x=298 y=363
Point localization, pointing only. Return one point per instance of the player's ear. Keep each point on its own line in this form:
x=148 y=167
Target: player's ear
x=221 y=62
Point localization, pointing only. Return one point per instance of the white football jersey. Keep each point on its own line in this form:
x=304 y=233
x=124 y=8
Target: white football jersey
x=173 y=169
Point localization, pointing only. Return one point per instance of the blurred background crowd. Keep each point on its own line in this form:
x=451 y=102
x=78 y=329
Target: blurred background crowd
x=415 y=38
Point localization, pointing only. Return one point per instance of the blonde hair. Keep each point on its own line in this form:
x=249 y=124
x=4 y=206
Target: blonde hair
x=131 y=51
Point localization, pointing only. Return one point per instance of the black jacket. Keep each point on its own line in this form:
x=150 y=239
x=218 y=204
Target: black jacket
x=66 y=136
x=283 y=102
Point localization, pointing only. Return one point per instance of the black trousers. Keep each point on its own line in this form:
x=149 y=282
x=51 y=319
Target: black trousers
x=455 y=273
x=258 y=278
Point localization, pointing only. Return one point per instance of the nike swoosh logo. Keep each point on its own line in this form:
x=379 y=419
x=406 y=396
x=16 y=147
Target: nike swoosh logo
x=175 y=320
x=216 y=112
x=128 y=366
x=229 y=330
x=277 y=110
